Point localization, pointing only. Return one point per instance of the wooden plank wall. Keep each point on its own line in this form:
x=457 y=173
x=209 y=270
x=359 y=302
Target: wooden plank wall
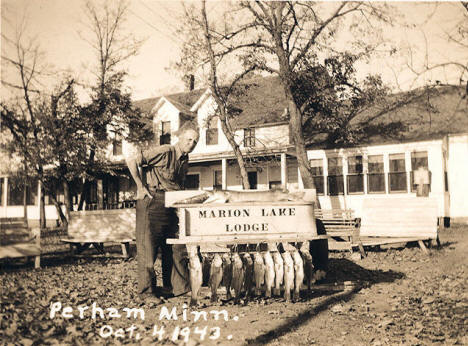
x=102 y=225
x=399 y=217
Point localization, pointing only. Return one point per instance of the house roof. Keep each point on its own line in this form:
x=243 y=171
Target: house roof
x=183 y=101
x=259 y=101
x=424 y=113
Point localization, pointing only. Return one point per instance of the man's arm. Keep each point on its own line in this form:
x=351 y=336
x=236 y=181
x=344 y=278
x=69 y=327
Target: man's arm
x=142 y=190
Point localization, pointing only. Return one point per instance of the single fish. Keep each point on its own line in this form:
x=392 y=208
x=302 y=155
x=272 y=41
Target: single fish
x=227 y=274
x=196 y=277
x=206 y=267
x=288 y=275
x=279 y=272
x=248 y=276
x=298 y=274
x=269 y=273
x=216 y=275
x=195 y=199
x=223 y=196
x=238 y=274
x=308 y=268
x=259 y=272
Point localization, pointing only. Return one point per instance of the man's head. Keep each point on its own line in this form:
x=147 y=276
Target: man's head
x=188 y=139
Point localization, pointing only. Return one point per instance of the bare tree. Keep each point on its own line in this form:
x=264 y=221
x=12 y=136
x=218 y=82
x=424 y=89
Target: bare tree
x=456 y=36
x=110 y=105
x=281 y=38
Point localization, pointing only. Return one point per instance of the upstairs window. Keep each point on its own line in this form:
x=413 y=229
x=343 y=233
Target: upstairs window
x=335 y=176
x=165 y=133
x=316 y=167
x=212 y=132
x=397 y=173
x=249 y=137
x=355 y=178
x=117 y=145
x=375 y=174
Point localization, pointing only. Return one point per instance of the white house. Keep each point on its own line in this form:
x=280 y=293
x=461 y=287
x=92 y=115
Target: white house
x=435 y=138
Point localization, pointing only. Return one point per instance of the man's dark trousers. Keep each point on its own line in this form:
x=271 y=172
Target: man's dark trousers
x=154 y=224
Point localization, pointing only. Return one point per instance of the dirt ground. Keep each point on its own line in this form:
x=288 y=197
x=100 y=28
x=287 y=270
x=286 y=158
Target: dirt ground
x=401 y=296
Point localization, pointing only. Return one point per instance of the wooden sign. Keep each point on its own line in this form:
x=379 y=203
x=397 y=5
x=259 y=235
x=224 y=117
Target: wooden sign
x=235 y=219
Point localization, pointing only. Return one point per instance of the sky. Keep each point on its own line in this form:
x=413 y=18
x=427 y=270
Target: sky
x=59 y=28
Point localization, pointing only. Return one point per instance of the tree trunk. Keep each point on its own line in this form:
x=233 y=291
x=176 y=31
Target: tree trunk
x=84 y=194
x=85 y=187
x=66 y=195
x=62 y=218
x=237 y=152
x=25 y=202
x=42 y=214
x=58 y=207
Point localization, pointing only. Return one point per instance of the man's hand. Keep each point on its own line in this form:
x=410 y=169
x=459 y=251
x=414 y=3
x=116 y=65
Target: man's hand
x=142 y=191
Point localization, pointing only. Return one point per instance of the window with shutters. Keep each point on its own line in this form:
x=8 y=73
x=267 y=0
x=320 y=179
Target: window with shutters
x=249 y=137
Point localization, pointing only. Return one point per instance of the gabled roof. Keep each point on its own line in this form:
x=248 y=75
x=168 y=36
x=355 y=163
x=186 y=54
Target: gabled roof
x=260 y=101
x=182 y=101
x=424 y=113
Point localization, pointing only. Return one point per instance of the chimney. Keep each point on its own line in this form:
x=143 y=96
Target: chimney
x=190 y=82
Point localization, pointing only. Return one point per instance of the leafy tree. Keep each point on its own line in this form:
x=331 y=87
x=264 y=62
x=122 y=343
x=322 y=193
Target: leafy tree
x=300 y=43
x=50 y=138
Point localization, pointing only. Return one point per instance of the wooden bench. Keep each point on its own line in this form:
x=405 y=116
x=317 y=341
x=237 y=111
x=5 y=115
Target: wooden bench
x=343 y=227
x=399 y=220
x=18 y=240
x=98 y=227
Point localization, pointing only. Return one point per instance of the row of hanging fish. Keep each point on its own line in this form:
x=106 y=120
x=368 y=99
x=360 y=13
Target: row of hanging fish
x=254 y=274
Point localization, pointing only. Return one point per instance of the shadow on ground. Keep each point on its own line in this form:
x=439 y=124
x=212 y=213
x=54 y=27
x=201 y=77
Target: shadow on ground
x=340 y=270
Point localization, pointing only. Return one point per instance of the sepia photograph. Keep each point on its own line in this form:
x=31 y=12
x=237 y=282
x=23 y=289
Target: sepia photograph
x=227 y=172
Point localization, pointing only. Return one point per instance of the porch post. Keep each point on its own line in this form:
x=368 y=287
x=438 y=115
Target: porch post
x=5 y=197
x=386 y=164
x=100 y=195
x=284 y=171
x=224 y=174
x=408 y=170
x=365 y=171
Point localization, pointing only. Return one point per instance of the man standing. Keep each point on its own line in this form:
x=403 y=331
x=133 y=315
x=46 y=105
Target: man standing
x=156 y=170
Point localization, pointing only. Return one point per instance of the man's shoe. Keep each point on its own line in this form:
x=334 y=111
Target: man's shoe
x=150 y=299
